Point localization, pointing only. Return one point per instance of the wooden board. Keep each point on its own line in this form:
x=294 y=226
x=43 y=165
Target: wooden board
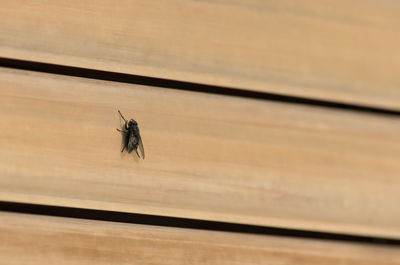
x=207 y=156
x=30 y=239
x=336 y=50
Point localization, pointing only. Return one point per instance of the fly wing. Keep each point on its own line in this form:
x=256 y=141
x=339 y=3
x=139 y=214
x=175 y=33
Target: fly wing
x=141 y=148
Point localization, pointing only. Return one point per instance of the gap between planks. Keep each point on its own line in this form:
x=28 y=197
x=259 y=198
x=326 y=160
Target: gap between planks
x=44 y=239
x=181 y=85
x=177 y=222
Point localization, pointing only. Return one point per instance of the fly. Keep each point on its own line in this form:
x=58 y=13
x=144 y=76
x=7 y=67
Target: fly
x=131 y=137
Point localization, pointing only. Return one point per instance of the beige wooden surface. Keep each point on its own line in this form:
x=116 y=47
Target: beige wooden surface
x=30 y=239
x=337 y=50
x=207 y=157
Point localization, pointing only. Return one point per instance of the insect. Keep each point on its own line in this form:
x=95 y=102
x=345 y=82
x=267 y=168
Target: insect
x=131 y=137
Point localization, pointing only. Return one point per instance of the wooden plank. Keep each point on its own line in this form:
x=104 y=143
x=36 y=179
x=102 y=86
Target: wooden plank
x=336 y=50
x=207 y=156
x=30 y=239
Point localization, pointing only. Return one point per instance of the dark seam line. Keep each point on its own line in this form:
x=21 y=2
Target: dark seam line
x=177 y=222
x=182 y=85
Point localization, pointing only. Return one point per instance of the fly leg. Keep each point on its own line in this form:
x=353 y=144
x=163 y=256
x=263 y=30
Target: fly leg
x=122 y=131
x=122 y=116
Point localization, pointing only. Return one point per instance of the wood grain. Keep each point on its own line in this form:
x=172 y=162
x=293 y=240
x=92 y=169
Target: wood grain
x=336 y=50
x=207 y=156
x=30 y=239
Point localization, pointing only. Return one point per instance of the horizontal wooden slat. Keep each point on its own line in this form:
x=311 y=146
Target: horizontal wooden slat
x=30 y=239
x=337 y=50
x=207 y=156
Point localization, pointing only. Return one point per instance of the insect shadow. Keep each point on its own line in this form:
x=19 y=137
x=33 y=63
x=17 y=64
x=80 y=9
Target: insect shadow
x=131 y=139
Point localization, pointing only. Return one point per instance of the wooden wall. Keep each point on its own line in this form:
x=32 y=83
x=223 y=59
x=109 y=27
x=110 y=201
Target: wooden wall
x=276 y=114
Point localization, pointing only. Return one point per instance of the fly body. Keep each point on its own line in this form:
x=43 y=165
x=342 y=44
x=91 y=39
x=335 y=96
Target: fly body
x=131 y=137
